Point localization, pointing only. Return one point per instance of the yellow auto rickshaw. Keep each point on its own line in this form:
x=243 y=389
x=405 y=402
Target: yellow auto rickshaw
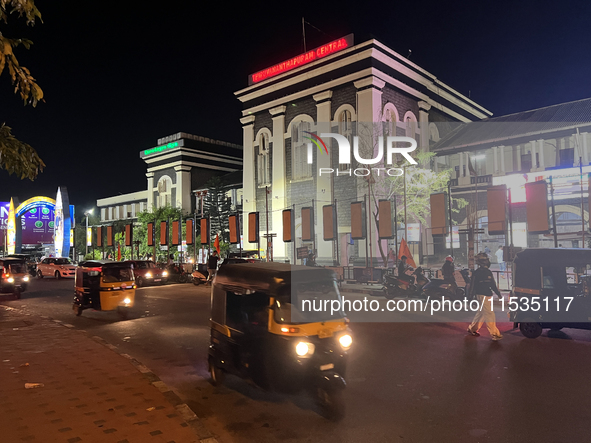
x=14 y=277
x=104 y=285
x=266 y=328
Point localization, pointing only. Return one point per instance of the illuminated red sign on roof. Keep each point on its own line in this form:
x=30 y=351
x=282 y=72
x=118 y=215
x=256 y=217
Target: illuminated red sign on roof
x=302 y=59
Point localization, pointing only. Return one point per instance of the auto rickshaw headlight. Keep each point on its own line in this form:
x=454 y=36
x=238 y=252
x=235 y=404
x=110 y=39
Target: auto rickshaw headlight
x=127 y=301
x=345 y=340
x=304 y=349
x=148 y=275
x=164 y=274
x=10 y=280
x=26 y=278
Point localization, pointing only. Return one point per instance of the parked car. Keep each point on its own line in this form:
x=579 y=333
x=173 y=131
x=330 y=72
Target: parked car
x=147 y=273
x=58 y=267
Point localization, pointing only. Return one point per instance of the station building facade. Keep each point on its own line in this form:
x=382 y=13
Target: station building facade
x=331 y=89
x=553 y=141
x=177 y=168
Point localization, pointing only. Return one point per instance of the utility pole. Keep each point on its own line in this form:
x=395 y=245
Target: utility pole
x=553 y=214
x=267 y=220
x=451 y=225
x=582 y=200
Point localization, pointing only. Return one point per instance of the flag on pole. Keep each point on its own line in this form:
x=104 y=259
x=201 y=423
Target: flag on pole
x=216 y=243
x=405 y=250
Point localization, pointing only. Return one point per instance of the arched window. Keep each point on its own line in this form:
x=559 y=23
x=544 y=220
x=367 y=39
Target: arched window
x=299 y=148
x=264 y=175
x=164 y=192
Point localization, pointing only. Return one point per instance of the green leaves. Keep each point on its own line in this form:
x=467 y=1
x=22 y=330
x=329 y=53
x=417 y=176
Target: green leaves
x=17 y=157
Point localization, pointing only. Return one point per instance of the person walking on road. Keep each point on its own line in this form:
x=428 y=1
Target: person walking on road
x=499 y=255
x=482 y=286
x=212 y=266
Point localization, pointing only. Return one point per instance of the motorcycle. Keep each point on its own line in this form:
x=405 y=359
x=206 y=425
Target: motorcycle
x=198 y=278
x=438 y=288
x=177 y=274
x=398 y=287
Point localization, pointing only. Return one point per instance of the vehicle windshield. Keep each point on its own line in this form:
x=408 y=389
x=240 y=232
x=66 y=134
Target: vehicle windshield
x=309 y=303
x=63 y=261
x=116 y=274
x=16 y=268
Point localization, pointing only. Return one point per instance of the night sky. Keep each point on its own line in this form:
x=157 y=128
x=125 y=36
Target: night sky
x=117 y=79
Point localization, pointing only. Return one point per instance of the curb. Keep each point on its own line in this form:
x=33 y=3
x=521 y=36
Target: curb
x=185 y=412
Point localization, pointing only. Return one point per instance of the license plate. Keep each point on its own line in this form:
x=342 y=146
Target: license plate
x=157 y=279
x=324 y=333
x=326 y=367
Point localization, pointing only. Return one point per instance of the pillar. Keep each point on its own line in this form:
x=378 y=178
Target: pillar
x=518 y=158
x=495 y=160
x=249 y=190
x=183 y=188
x=278 y=196
x=583 y=140
x=502 y=160
x=323 y=184
x=369 y=108
x=150 y=176
x=534 y=163
x=541 y=149
x=424 y=108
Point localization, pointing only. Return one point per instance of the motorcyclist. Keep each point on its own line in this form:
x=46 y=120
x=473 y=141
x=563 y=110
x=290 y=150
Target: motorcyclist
x=403 y=266
x=448 y=269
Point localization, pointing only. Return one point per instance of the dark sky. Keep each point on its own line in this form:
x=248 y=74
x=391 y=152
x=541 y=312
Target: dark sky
x=118 y=78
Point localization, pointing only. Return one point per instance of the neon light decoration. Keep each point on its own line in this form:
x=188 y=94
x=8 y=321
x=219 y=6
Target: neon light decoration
x=302 y=59
x=161 y=148
x=11 y=229
x=315 y=142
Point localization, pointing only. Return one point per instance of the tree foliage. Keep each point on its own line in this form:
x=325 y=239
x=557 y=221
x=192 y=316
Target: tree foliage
x=218 y=207
x=15 y=156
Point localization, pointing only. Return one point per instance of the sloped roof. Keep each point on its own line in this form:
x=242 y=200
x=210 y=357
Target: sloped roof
x=517 y=128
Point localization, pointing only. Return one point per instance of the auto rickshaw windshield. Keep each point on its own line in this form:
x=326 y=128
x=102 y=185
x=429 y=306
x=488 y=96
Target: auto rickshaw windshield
x=309 y=303
x=17 y=268
x=116 y=274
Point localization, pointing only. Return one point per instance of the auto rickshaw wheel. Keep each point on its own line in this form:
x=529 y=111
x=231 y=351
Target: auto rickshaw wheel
x=217 y=374
x=17 y=293
x=77 y=310
x=332 y=404
x=387 y=294
x=530 y=328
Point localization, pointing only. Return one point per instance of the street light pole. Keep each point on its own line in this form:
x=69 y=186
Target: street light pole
x=87 y=213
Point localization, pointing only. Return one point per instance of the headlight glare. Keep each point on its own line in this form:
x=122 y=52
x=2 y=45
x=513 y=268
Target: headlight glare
x=127 y=301
x=345 y=340
x=26 y=278
x=148 y=275
x=304 y=349
x=164 y=273
x=10 y=280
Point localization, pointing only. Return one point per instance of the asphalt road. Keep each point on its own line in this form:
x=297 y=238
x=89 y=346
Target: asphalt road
x=407 y=382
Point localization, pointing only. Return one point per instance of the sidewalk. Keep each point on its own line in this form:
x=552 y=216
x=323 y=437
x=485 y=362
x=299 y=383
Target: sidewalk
x=90 y=392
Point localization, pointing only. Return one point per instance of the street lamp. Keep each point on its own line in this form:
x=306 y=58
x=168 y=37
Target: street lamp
x=86 y=213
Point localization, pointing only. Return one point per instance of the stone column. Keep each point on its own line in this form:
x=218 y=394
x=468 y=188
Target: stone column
x=424 y=108
x=278 y=186
x=461 y=157
x=495 y=160
x=323 y=184
x=183 y=188
x=249 y=190
x=369 y=109
x=502 y=160
x=150 y=176
x=518 y=158
x=583 y=140
x=534 y=164
x=541 y=148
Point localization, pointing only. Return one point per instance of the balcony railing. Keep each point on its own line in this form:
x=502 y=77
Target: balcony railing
x=481 y=179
